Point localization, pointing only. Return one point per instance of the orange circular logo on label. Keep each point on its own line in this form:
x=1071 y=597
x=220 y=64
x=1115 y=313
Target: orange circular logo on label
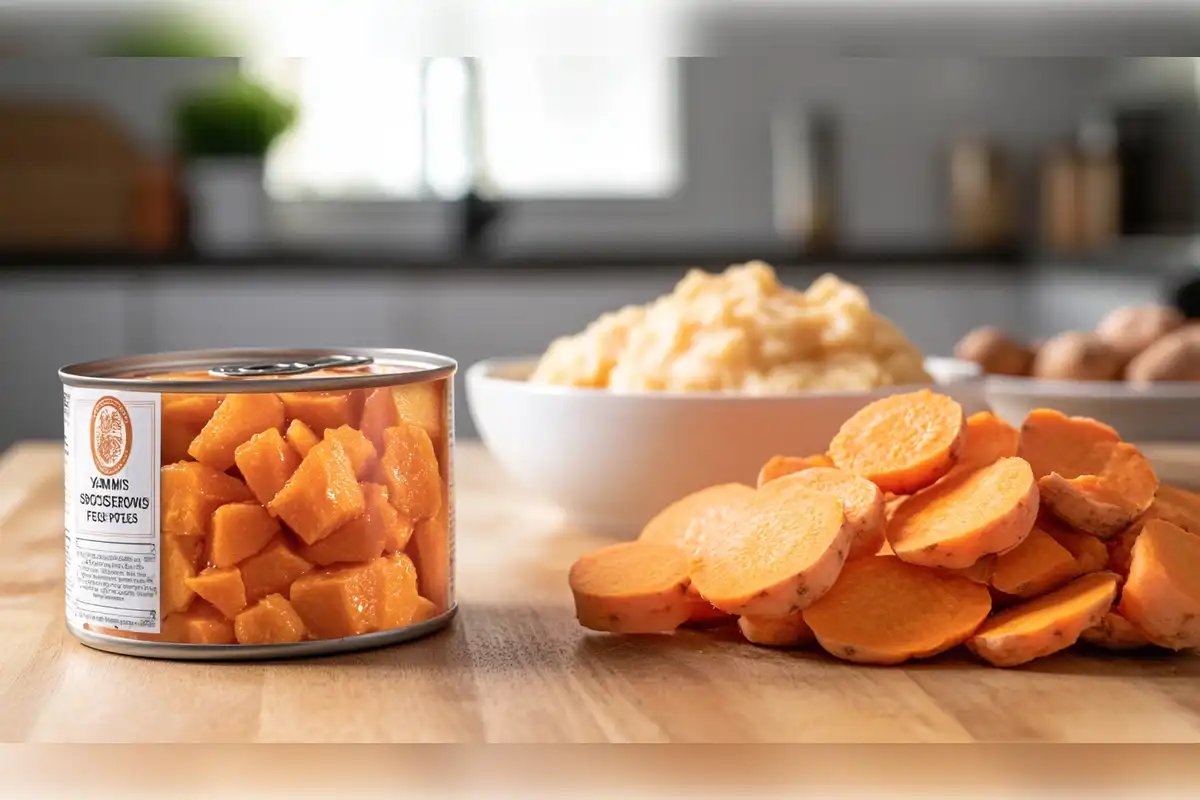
x=112 y=435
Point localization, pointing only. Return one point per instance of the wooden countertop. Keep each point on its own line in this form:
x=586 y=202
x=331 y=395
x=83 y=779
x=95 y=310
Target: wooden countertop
x=515 y=666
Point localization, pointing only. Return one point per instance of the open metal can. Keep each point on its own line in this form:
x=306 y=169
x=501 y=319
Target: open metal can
x=255 y=503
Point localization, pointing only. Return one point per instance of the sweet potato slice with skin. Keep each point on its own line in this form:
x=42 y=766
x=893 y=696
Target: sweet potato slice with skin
x=322 y=495
x=1090 y=553
x=1178 y=507
x=1053 y=442
x=901 y=443
x=704 y=614
x=201 y=624
x=272 y=620
x=968 y=515
x=1046 y=625
x=1114 y=632
x=408 y=467
x=360 y=450
x=190 y=493
x=429 y=549
x=789 y=631
x=301 y=437
x=222 y=588
x=778 y=466
x=239 y=417
x=1034 y=567
x=885 y=611
x=778 y=555
x=272 y=570
x=687 y=522
x=631 y=587
x=861 y=500
x=339 y=601
x=988 y=439
x=1161 y=596
x=980 y=572
x=266 y=462
x=239 y=530
x=398 y=591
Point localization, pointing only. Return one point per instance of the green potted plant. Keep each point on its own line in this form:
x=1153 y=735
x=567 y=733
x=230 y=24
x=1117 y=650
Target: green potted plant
x=223 y=133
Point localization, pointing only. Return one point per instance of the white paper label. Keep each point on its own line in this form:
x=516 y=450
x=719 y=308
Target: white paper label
x=112 y=517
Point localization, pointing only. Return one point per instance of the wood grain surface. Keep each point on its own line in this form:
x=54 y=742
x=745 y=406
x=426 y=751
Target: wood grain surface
x=515 y=666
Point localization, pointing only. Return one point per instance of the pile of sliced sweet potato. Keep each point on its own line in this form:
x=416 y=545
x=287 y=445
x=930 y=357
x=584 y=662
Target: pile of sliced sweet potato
x=921 y=530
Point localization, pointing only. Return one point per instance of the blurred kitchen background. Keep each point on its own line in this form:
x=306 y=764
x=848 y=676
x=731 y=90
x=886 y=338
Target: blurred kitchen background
x=482 y=207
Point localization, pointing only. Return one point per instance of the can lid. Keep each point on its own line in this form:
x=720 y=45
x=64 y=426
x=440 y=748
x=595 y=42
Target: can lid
x=248 y=370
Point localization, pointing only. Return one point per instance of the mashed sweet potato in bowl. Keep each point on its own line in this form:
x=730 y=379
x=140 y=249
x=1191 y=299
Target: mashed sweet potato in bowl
x=698 y=387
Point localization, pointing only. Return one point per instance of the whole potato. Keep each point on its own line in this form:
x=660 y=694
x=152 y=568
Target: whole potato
x=994 y=352
x=1077 y=356
x=1174 y=357
x=1131 y=329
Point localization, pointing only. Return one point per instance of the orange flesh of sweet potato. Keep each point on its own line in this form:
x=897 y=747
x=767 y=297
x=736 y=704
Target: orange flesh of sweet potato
x=885 y=611
x=1090 y=553
x=322 y=495
x=222 y=588
x=190 y=493
x=397 y=531
x=180 y=560
x=1034 y=567
x=1114 y=632
x=239 y=530
x=1120 y=548
x=861 y=500
x=319 y=410
x=778 y=466
x=425 y=610
x=988 y=439
x=266 y=462
x=183 y=417
x=901 y=443
x=339 y=601
x=1178 y=507
x=239 y=417
x=409 y=469
x=631 y=587
x=359 y=449
x=201 y=624
x=420 y=404
x=778 y=555
x=360 y=539
x=980 y=572
x=704 y=614
x=271 y=620
x=1046 y=625
x=301 y=437
x=398 y=591
x=429 y=549
x=688 y=521
x=968 y=515
x=789 y=631
x=1161 y=596
x=272 y=570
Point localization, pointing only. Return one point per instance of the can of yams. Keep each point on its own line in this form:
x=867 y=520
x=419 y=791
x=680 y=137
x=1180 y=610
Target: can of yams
x=254 y=503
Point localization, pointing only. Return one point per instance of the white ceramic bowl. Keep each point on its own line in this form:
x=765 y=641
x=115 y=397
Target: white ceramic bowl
x=611 y=460
x=1164 y=412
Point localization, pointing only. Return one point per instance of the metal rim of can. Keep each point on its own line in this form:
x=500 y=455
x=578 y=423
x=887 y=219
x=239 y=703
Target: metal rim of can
x=420 y=367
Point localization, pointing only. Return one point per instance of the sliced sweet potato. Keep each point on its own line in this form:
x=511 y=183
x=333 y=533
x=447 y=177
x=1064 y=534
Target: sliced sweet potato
x=704 y=614
x=1089 y=553
x=885 y=611
x=1119 y=548
x=789 y=631
x=360 y=450
x=360 y=539
x=429 y=549
x=1034 y=567
x=322 y=495
x=339 y=601
x=988 y=439
x=631 y=587
x=1114 y=632
x=688 y=521
x=201 y=624
x=901 y=443
x=301 y=437
x=272 y=570
x=266 y=462
x=319 y=410
x=1047 y=624
x=425 y=610
x=180 y=560
x=239 y=417
x=271 y=620
x=1177 y=506
x=980 y=572
x=778 y=466
x=409 y=469
x=1161 y=596
x=189 y=494
x=398 y=591
x=967 y=516
x=861 y=500
x=222 y=588
x=239 y=530
x=1087 y=476
x=779 y=554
